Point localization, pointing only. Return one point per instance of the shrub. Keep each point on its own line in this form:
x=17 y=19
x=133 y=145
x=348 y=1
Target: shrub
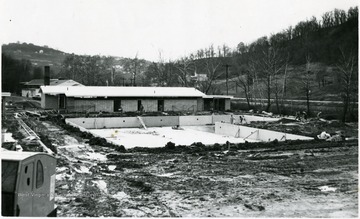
x=97 y=141
x=120 y=148
x=198 y=144
x=170 y=145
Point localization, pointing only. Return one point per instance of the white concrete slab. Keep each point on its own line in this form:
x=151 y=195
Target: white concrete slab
x=158 y=137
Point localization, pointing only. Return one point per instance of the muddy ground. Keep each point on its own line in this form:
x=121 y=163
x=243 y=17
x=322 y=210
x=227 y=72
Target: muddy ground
x=291 y=179
x=309 y=127
x=296 y=179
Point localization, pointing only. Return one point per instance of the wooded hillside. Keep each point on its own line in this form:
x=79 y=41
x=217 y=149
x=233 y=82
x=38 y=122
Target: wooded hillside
x=314 y=60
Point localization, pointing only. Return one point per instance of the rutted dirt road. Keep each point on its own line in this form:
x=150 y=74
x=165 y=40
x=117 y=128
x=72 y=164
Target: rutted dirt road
x=283 y=180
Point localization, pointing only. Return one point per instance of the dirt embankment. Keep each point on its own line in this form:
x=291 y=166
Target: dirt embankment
x=294 y=179
x=310 y=127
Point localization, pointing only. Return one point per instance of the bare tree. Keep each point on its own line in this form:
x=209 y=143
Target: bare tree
x=185 y=67
x=270 y=64
x=256 y=87
x=348 y=80
x=244 y=80
x=134 y=69
x=306 y=82
x=284 y=82
x=211 y=66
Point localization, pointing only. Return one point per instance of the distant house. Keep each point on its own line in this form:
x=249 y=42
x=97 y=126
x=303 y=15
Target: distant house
x=197 y=77
x=129 y=99
x=32 y=88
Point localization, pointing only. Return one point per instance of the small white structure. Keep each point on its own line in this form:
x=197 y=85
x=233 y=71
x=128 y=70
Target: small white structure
x=32 y=88
x=199 y=77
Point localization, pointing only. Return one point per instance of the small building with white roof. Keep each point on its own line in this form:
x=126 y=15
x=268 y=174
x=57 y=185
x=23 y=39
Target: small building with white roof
x=128 y=99
x=32 y=88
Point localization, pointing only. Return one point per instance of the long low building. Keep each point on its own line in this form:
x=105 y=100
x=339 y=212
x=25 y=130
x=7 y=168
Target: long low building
x=130 y=99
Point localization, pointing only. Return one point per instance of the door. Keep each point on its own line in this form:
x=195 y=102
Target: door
x=160 y=105
x=62 y=101
x=139 y=105
x=222 y=104
x=208 y=104
x=216 y=104
x=25 y=189
x=117 y=105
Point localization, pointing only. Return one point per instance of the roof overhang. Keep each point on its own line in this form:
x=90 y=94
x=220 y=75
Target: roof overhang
x=218 y=97
x=128 y=92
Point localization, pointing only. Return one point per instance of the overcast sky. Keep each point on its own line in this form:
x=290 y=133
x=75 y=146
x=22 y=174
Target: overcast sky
x=174 y=27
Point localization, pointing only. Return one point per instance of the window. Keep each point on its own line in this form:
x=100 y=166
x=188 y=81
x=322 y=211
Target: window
x=39 y=174
x=8 y=175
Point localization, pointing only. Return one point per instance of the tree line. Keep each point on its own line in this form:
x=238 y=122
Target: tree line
x=14 y=72
x=311 y=47
x=272 y=67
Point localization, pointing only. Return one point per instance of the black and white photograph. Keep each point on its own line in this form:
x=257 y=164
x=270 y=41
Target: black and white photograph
x=179 y=108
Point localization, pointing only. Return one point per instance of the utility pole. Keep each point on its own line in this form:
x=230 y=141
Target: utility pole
x=227 y=77
x=135 y=66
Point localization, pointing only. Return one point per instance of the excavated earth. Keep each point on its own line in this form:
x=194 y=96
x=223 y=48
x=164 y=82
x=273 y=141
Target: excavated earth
x=293 y=179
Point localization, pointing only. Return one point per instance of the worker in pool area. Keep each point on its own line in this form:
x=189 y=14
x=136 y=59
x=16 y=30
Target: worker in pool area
x=100 y=114
x=177 y=127
x=232 y=119
x=241 y=118
x=142 y=110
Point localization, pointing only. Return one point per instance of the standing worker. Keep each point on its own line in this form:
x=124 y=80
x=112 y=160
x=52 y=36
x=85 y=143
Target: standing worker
x=142 y=110
x=241 y=119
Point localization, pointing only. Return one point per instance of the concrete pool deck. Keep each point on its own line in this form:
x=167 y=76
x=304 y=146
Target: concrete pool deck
x=208 y=129
x=159 y=137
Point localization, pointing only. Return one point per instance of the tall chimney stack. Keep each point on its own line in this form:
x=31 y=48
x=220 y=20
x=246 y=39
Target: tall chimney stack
x=47 y=76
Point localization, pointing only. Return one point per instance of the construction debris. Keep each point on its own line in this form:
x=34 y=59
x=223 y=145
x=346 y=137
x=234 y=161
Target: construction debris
x=324 y=135
x=292 y=178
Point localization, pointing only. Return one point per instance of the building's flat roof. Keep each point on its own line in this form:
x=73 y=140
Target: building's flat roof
x=17 y=155
x=53 y=90
x=103 y=91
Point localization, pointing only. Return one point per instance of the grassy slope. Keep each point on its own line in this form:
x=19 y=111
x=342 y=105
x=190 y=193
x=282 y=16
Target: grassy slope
x=295 y=90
